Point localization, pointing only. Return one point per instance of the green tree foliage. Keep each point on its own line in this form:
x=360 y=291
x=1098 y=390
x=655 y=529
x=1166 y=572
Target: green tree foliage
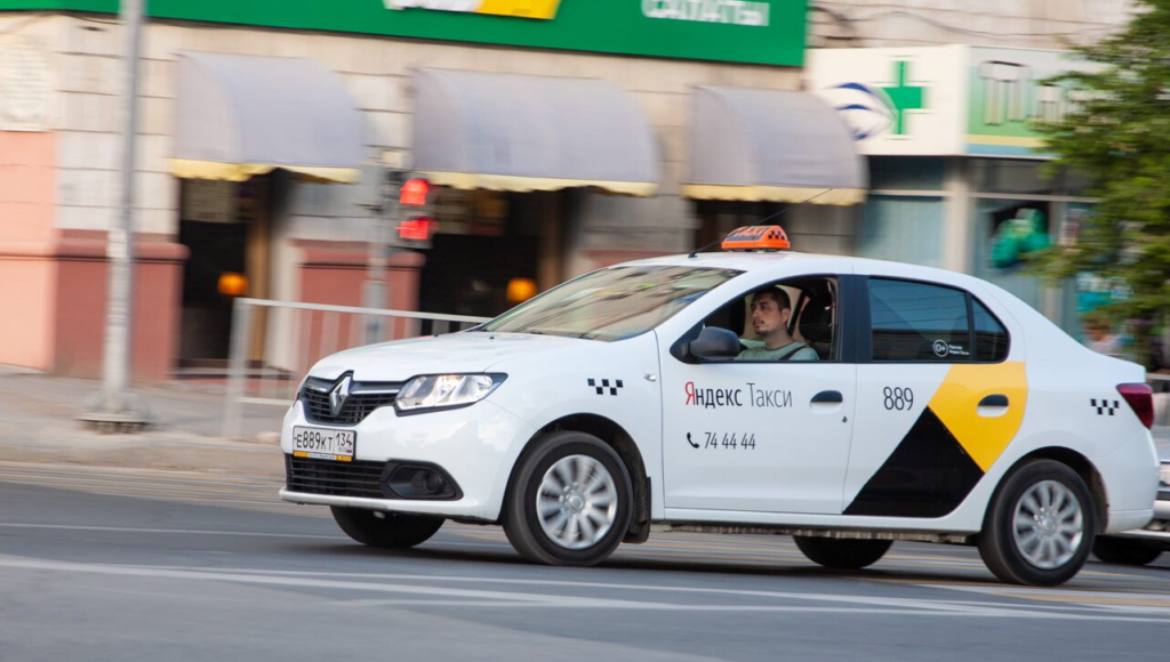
x=1119 y=137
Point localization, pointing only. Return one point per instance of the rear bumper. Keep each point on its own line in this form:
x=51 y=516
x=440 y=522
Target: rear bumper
x=1157 y=531
x=1162 y=506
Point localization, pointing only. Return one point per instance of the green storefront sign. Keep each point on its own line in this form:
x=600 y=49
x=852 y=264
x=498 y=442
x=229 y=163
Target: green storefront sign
x=1011 y=90
x=748 y=31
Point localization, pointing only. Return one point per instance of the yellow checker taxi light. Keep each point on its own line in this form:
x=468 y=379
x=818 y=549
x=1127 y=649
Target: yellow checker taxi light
x=757 y=238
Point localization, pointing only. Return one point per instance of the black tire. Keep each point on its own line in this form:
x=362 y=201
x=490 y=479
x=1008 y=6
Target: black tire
x=1125 y=552
x=997 y=542
x=521 y=522
x=842 y=554
x=387 y=530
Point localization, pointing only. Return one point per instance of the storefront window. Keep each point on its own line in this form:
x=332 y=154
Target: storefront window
x=1007 y=231
x=906 y=173
x=902 y=229
x=1005 y=176
x=1025 y=177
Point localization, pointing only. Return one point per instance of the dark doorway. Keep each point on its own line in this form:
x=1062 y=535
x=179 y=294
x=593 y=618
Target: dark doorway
x=225 y=229
x=486 y=240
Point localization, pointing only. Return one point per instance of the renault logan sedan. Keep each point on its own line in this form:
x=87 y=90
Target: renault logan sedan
x=847 y=402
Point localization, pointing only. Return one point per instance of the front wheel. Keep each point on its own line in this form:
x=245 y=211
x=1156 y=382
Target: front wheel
x=842 y=554
x=569 y=501
x=1125 y=552
x=387 y=530
x=1039 y=526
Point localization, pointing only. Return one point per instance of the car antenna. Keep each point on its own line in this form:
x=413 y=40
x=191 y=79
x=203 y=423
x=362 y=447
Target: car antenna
x=764 y=220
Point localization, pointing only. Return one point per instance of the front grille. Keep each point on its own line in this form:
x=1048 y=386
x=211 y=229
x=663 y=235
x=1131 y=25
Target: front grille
x=359 y=478
x=315 y=398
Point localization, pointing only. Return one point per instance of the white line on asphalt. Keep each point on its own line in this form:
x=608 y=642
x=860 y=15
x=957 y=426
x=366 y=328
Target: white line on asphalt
x=801 y=609
x=1108 y=600
x=1013 y=592
x=857 y=604
x=135 y=529
x=208 y=532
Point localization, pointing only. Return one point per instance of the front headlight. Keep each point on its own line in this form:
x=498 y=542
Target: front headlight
x=427 y=392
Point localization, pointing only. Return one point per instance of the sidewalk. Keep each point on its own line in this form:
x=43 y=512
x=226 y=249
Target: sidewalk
x=38 y=423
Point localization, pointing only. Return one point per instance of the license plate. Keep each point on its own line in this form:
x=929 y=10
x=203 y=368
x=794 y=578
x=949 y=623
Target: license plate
x=323 y=443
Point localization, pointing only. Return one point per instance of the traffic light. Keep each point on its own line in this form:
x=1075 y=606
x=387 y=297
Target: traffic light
x=416 y=220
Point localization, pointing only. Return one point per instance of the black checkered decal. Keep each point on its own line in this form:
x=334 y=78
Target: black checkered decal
x=1104 y=407
x=601 y=385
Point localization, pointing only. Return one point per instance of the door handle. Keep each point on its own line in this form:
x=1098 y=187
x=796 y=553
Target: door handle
x=994 y=400
x=828 y=398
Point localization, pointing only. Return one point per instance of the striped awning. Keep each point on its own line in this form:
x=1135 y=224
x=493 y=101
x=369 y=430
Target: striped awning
x=238 y=116
x=530 y=133
x=749 y=144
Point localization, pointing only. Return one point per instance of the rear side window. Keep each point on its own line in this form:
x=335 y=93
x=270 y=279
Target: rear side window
x=920 y=322
x=991 y=339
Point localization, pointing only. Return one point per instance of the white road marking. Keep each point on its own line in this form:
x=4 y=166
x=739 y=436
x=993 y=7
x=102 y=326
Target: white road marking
x=1153 y=603
x=241 y=534
x=863 y=605
x=138 y=529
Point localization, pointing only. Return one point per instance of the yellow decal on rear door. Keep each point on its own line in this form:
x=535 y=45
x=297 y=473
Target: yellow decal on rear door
x=983 y=433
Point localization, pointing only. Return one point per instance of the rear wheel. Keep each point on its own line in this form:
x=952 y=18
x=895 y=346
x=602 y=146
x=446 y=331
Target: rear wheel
x=1125 y=552
x=569 y=502
x=388 y=530
x=1039 y=526
x=842 y=554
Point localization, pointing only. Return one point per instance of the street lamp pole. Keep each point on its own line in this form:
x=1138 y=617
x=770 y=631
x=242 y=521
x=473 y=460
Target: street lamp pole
x=385 y=217
x=117 y=408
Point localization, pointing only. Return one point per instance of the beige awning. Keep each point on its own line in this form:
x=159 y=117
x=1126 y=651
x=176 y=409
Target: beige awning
x=773 y=145
x=239 y=116
x=530 y=133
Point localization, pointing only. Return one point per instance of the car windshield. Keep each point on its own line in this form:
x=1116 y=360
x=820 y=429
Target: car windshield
x=612 y=304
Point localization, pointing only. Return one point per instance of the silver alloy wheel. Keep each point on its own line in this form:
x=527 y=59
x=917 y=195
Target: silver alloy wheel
x=577 y=502
x=1048 y=525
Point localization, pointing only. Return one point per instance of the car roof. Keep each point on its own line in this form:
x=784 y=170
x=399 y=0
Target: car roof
x=788 y=261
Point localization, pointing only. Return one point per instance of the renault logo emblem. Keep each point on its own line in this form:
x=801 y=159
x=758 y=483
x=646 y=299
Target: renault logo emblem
x=339 y=395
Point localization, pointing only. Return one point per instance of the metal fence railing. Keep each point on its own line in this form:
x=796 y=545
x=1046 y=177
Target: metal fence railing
x=273 y=344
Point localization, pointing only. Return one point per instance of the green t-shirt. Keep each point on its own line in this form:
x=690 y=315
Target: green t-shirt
x=794 y=351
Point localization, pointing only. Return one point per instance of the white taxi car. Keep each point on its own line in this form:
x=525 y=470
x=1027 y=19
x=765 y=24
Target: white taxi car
x=932 y=406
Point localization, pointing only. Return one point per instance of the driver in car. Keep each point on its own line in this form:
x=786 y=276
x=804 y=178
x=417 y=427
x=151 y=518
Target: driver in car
x=771 y=310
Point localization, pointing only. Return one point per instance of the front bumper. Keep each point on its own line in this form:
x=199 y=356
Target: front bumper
x=476 y=446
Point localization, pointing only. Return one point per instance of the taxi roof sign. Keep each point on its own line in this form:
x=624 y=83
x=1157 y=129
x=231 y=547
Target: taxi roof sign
x=757 y=238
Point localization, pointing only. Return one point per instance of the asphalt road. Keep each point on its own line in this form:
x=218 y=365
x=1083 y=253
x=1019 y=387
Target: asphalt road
x=134 y=565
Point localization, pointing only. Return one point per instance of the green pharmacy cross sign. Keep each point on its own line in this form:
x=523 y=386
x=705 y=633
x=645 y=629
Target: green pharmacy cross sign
x=904 y=97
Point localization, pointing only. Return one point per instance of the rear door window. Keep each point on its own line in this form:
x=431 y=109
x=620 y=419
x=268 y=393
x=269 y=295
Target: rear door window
x=918 y=322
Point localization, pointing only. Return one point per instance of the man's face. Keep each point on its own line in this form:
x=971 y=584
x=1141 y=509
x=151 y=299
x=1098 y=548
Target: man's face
x=767 y=315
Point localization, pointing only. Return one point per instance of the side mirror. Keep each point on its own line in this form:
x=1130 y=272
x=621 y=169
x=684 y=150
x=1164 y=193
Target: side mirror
x=715 y=343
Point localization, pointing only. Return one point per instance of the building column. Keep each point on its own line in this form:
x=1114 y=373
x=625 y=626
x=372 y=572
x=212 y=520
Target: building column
x=959 y=221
